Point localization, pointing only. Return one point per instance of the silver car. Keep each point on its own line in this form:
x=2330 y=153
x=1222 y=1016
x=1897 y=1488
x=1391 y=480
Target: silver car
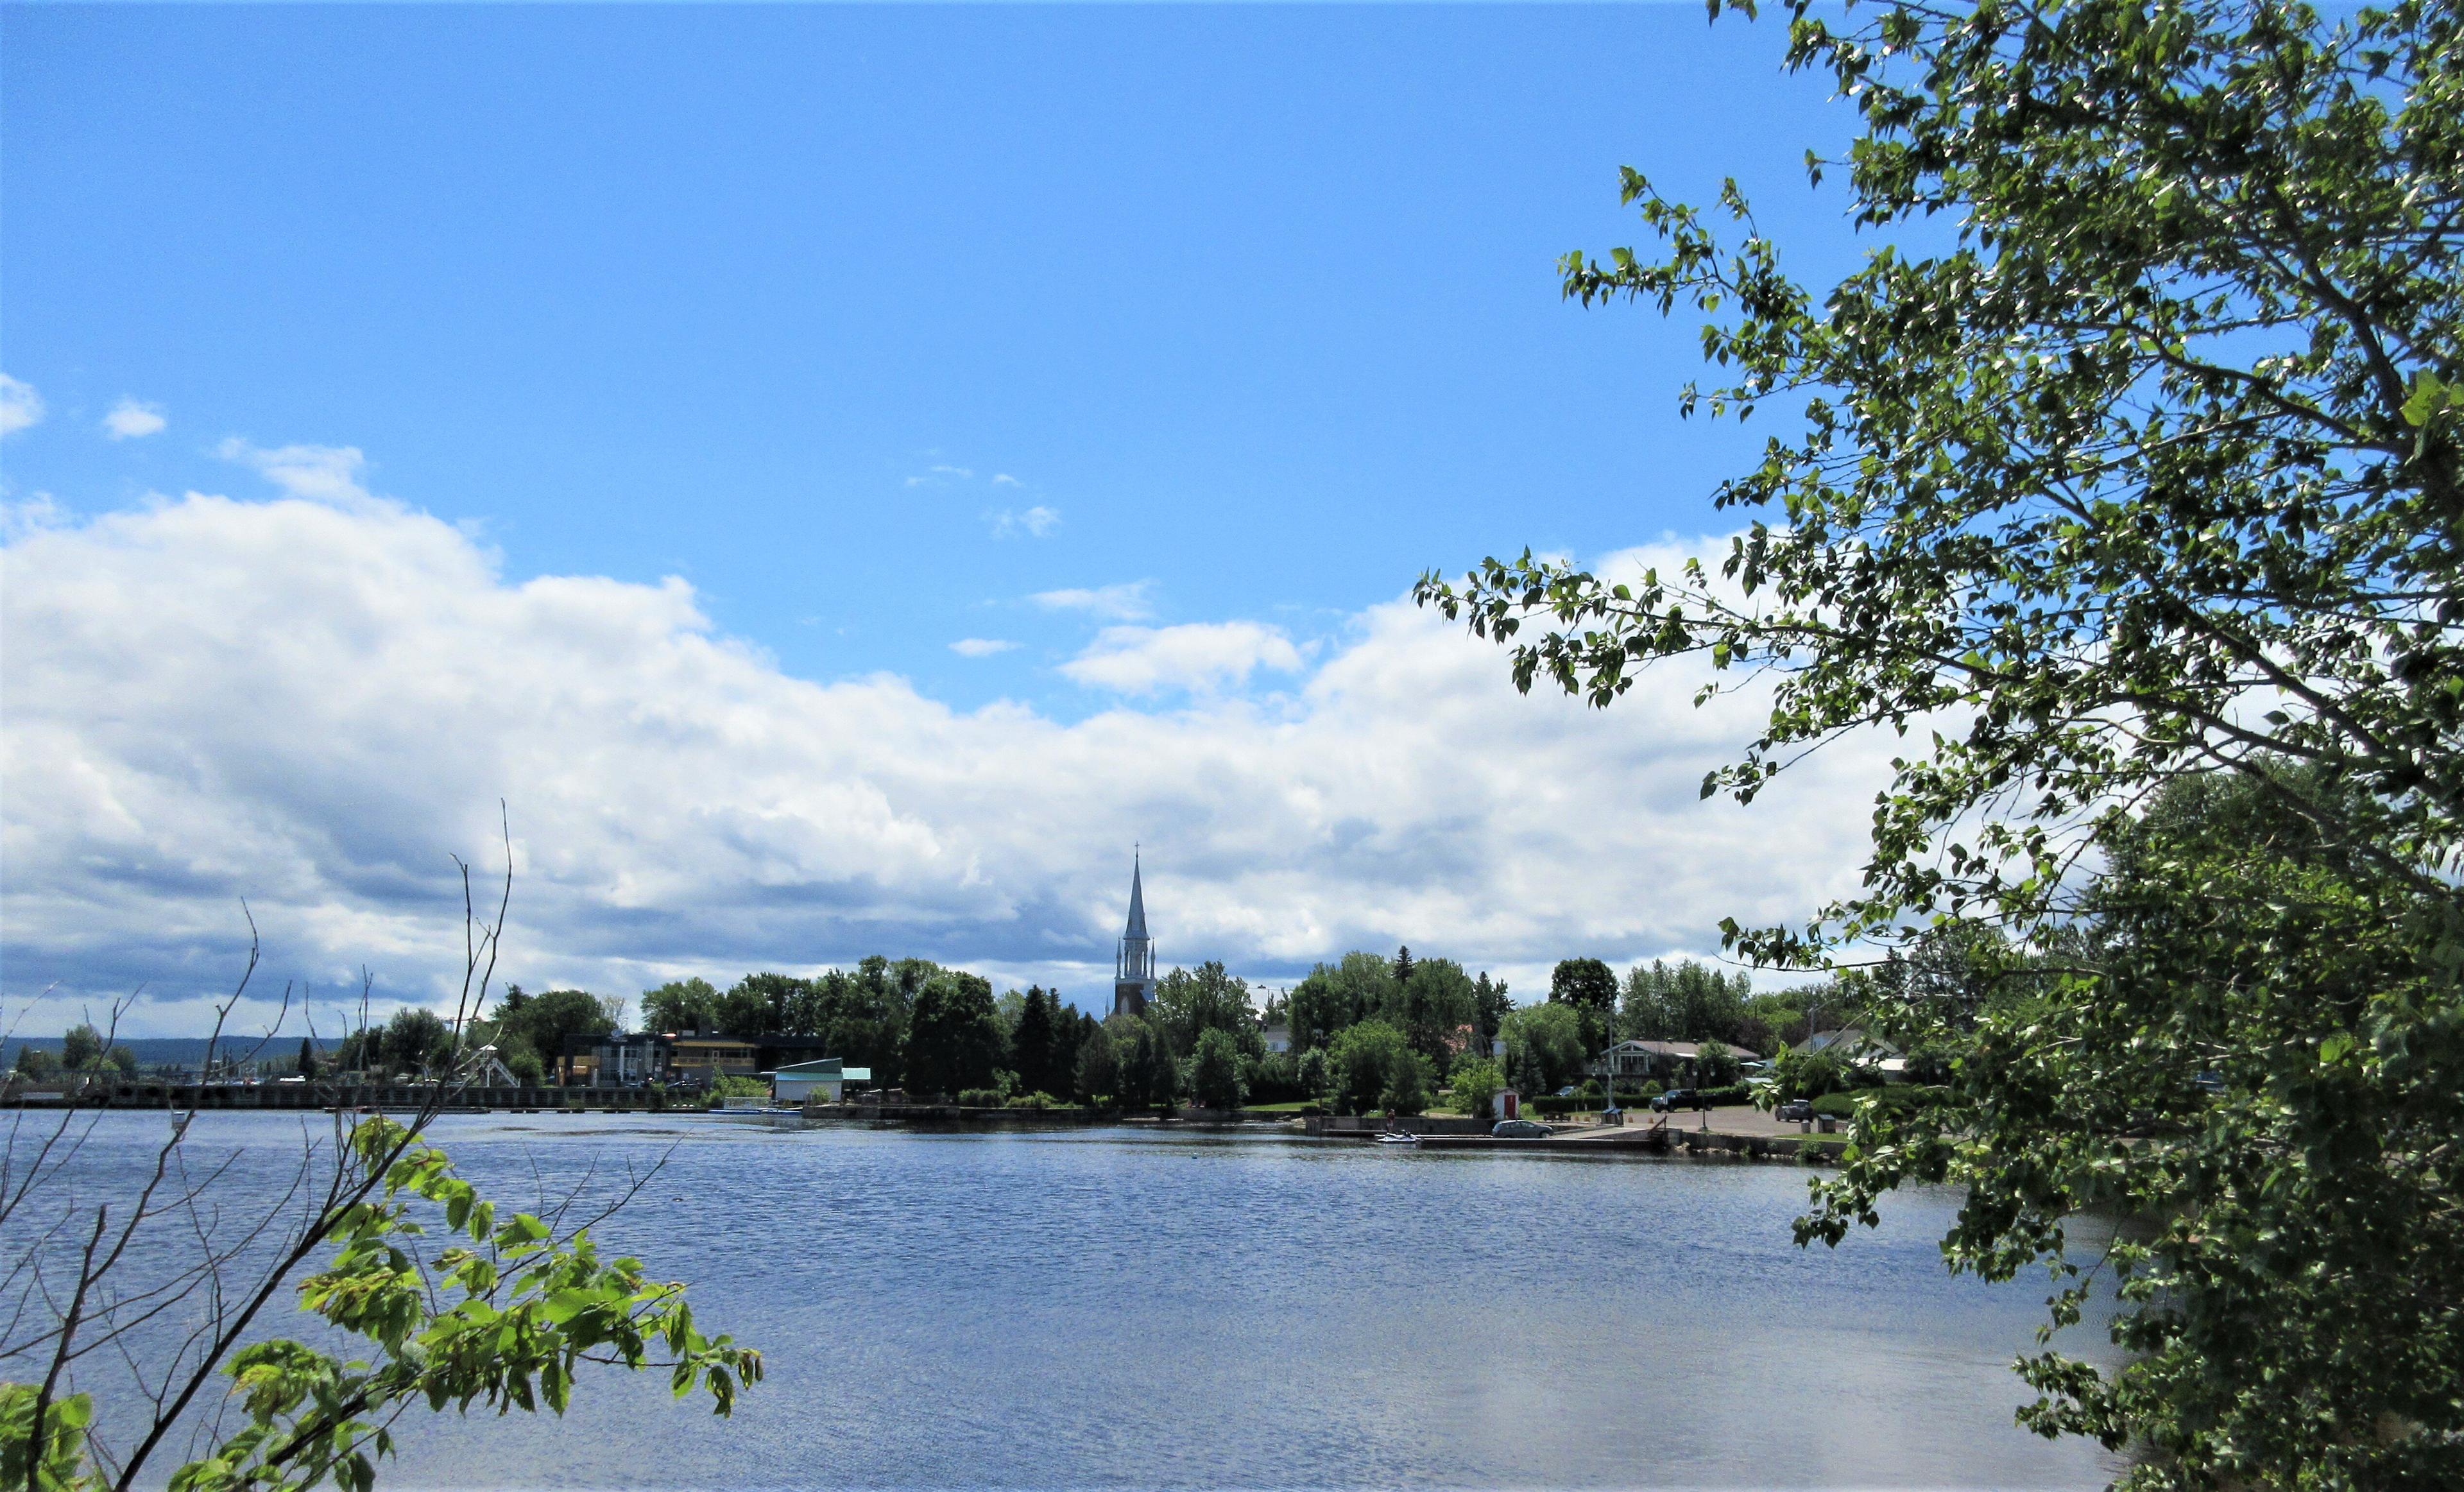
x=1519 y=1130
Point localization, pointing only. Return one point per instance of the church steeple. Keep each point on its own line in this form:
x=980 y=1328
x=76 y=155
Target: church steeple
x=1137 y=928
x=1133 y=963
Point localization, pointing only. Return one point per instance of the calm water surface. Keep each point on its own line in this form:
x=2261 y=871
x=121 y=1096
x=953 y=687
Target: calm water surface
x=1110 y=1309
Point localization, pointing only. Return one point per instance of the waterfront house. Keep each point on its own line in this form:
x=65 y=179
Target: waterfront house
x=1631 y=1064
x=618 y=1059
x=827 y=1079
x=707 y=1056
x=1278 y=1034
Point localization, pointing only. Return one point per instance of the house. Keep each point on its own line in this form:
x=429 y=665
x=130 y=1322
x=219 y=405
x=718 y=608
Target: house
x=826 y=1078
x=1278 y=1034
x=1631 y=1064
x=704 y=1056
x=1860 y=1048
x=620 y=1060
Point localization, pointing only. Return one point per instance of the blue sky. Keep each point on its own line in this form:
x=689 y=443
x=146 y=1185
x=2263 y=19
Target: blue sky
x=1258 y=302
x=1071 y=372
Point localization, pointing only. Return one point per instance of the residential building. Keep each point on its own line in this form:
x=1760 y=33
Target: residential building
x=619 y=1060
x=1278 y=1034
x=1631 y=1064
x=827 y=1079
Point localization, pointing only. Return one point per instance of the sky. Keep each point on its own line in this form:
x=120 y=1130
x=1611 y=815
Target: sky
x=841 y=477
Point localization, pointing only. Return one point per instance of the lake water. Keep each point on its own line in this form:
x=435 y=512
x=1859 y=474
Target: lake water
x=1118 y=1309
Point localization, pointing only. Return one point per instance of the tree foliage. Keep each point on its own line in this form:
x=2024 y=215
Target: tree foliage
x=503 y=1316
x=2142 y=464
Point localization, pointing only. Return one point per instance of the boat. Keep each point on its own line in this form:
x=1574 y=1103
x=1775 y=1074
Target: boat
x=1398 y=1138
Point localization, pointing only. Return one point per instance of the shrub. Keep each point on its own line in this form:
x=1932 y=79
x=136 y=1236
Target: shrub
x=1034 y=1101
x=980 y=1098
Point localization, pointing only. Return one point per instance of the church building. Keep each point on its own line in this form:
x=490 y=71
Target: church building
x=1133 y=965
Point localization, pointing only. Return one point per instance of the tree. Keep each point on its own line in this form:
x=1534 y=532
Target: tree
x=307 y=1058
x=1312 y=1073
x=2148 y=466
x=81 y=1048
x=953 y=1039
x=1403 y=965
x=1438 y=1006
x=1491 y=1004
x=1361 y=1063
x=1215 y=1071
x=1714 y=1066
x=1476 y=1081
x=1031 y=1048
x=1407 y=1083
x=1191 y=1001
x=1096 y=1077
x=1587 y=987
x=543 y=1021
x=1362 y=987
x=1544 y=1047
x=677 y=1006
x=417 y=1040
x=1148 y=1073
x=761 y=1004
x=35 y=1064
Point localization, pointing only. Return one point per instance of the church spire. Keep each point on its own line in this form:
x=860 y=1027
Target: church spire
x=1133 y=978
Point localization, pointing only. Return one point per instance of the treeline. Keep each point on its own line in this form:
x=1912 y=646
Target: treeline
x=81 y=1051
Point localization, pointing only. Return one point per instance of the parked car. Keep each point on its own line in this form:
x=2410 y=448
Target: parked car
x=1519 y=1130
x=1678 y=1098
x=1797 y=1108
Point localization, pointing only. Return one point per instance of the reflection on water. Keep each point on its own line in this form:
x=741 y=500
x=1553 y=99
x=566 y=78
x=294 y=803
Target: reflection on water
x=1106 y=1308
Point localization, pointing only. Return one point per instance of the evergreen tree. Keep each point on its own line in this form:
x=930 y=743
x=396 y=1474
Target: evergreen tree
x=1096 y=1076
x=1404 y=964
x=307 y=1058
x=1031 y=1043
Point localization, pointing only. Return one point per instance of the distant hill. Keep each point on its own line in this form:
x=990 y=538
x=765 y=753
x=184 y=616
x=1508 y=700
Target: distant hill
x=176 y=1051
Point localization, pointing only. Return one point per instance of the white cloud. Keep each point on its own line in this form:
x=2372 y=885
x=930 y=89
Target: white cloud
x=981 y=647
x=319 y=473
x=1004 y=479
x=1128 y=602
x=129 y=419
x=1205 y=656
x=1035 y=522
x=20 y=406
x=941 y=476
x=313 y=705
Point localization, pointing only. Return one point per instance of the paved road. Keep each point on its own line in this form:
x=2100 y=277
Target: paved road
x=1739 y=1120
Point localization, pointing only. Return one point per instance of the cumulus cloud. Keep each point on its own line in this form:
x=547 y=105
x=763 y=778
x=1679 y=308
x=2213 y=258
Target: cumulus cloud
x=319 y=473
x=131 y=420
x=20 y=405
x=981 y=647
x=314 y=705
x=1132 y=601
x=1035 y=522
x=1197 y=655
x=1004 y=479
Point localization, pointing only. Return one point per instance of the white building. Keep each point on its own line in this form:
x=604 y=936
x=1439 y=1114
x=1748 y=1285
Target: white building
x=827 y=1080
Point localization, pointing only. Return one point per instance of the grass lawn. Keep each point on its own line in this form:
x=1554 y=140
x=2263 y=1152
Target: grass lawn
x=1292 y=1107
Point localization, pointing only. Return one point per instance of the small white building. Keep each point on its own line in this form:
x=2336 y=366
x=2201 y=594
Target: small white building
x=1278 y=1034
x=826 y=1078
